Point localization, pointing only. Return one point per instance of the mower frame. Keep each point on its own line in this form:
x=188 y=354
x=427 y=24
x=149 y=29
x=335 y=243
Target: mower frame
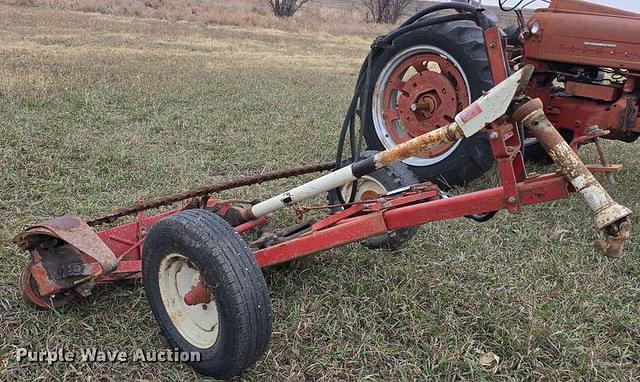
x=417 y=205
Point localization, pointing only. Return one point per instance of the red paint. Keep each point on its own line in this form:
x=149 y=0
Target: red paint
x=355 y=229
x=244 y=227
x=577 y=34
x=495 y=53
x=199 y=294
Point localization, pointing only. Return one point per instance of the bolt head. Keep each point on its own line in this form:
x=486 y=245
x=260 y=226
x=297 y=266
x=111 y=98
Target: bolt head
x=493 y=136
x=511 y=200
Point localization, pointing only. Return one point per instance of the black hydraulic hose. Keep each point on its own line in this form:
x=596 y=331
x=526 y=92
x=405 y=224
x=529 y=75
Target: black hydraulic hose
x=355 y=146
x=347 y=125
x=347 y=120
x=441 y=7
x=426 y=23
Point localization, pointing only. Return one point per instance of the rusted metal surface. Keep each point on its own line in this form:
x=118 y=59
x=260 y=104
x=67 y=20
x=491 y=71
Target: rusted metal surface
x=31 y=294
x=201 y=191
x=495 y=53
x=597 y=141
x=607 y=211
x=199 y=294
x=599 y=92
x=449 y=133
x=613 y=245
x=595 y=51
x=505 y=144
x=60 y=251
x=577 y=114
x=605 y=169
x=580 y=32
x=527 y=109
x=74 y=232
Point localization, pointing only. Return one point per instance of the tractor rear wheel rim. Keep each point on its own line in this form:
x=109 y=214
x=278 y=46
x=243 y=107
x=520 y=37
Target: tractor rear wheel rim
x=419 y=90
x=198 y=324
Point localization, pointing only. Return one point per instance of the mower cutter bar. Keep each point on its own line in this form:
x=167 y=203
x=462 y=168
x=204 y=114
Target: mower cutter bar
x=206 y=190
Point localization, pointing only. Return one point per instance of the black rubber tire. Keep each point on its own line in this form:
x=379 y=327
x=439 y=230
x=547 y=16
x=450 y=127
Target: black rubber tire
x=534 y=153
x=464 y=41
x=393 y=177
x=229 y=268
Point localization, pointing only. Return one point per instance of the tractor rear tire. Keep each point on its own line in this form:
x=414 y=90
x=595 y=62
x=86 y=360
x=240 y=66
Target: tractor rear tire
x=459 y=47
x=232 y=330
x=377 y=184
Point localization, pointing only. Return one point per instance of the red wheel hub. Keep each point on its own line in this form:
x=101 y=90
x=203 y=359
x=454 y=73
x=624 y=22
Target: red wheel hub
x=423 y=93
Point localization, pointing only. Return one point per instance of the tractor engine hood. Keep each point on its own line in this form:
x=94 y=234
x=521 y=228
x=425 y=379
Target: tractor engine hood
x=580 y=32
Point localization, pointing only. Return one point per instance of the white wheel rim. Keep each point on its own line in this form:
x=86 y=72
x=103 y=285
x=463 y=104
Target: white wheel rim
x=366 y=184
x=198 y=324
x=377 y=101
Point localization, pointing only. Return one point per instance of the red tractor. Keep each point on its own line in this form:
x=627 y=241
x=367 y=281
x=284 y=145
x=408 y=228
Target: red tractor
x=587 y=63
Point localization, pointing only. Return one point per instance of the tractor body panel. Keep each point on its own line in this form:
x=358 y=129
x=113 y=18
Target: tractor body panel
x=587 y=59
x=570 y=33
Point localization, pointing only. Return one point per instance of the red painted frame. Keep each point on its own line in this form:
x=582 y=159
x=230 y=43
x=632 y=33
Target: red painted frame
x=353 y=224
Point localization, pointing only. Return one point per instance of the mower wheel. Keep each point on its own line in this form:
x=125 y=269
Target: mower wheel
x=373 y=186
x=420 y=83
x=229 y=321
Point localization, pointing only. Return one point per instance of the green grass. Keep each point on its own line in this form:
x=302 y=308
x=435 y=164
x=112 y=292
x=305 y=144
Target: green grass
x=98 y=111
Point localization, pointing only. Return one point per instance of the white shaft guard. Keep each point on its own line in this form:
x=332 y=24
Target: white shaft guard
x=493 y=104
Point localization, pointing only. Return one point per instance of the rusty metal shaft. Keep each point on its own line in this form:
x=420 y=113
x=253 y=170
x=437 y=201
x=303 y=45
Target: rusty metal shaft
x=607 y=211
x=205 y=190
x=404 y=150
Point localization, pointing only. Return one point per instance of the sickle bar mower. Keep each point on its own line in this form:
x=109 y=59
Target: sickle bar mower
x=202 y=275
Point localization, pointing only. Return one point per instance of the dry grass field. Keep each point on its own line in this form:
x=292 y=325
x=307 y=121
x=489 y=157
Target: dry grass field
x=98 y=110
x=330 y=16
